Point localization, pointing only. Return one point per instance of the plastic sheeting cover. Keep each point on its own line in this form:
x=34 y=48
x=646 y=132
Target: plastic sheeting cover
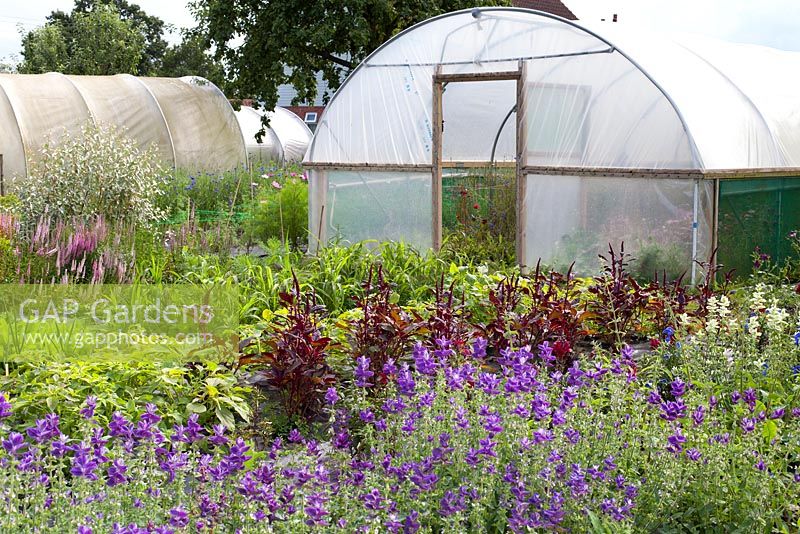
x=286 y=139
x=652 y=216
x=205 y=133
x=594 y=99
x=380 y=206
x=188 y=120
x=616 y=97
x=295 y=136
x=269 y=149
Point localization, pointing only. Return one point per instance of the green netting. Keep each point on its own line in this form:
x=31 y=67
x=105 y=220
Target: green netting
x=756 y=213
x=206 y=216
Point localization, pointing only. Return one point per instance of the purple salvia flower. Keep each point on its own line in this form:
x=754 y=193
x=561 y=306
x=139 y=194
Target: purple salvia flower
x=116 y=473
x=83 y=466
x=777 y=413
x=14 y=443
x=676 y=442
x=295 y=436
x=372 y=500
x=362 y=372
x=489 y=383
x=405 y=382
x=423 y=361
x=315 y=510
x=678 y=388
x=178 y=517
x=546 y=353
x=698 y=416
x=331 y=396
x=218 y=438
x=390 y=368
x=119 y=426
x=150 y=417
x=5 y=406
x=479 y=348
x=748 y=424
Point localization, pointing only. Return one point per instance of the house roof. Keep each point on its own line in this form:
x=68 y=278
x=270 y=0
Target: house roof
x=555 y=7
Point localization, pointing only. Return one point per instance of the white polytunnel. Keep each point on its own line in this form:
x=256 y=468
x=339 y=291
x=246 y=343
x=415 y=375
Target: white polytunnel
x=285 y=139
x=620 y=135
x=188 y=120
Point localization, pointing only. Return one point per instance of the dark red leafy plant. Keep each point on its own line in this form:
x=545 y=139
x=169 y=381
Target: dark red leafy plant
x=290 y=356
x=384 y=331
x=546 y=308
x=619 y=301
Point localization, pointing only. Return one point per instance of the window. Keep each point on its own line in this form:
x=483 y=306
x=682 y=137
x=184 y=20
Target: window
x=311 y=117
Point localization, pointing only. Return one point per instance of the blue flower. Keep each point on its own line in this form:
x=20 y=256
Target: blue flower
x=796 y=337
x=668 y=333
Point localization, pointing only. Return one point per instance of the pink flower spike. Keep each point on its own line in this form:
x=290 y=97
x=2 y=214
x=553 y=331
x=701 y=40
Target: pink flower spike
x=275 y=184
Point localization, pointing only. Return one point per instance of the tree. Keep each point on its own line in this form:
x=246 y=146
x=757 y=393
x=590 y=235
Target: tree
x=149 y=26
x=68 y=41
x=44 y=50
x=258 y=38
x=190 y=58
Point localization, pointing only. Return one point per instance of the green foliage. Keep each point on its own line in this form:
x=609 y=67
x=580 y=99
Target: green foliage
x=190 y=57
x=98 y=173
x=273 y=43
x=208 y=389
x=43 y=49
x=70 y=45
x=282 y=213
x=654 y=260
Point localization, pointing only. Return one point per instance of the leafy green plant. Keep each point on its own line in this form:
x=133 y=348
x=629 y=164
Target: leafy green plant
x=282 y=212
x=208 y=389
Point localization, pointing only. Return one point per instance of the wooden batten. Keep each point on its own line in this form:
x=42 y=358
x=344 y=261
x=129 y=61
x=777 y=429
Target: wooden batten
x=474 y=76
x=436 y=162
x=521 y=163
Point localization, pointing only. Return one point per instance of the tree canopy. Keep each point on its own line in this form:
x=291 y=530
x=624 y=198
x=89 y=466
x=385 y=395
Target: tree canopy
x=268 y=43
x=111 y=37
x=150 y=28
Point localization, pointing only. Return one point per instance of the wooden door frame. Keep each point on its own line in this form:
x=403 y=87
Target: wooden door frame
x=439 y=80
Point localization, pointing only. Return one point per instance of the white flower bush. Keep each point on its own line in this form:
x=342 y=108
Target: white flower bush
x=99 y=172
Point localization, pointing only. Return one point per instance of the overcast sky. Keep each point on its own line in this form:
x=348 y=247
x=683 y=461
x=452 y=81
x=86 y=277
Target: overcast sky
x=773 y=23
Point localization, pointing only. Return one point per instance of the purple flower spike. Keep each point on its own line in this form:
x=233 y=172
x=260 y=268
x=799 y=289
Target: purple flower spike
x=748 y=424
x=14 y=443
x=5 y=406
x=331 y=396
x=363 y=372
x=178 y=517
x=678 y=388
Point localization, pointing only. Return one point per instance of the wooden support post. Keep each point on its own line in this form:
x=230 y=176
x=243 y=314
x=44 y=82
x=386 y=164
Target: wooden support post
x=715 y=224
x=318 y=183
x=522 y=162
x=2 y=178
x=436 y=175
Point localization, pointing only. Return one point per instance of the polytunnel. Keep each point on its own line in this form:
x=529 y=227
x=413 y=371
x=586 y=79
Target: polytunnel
x=285 y=139
x=188 y=120
x=687 y=144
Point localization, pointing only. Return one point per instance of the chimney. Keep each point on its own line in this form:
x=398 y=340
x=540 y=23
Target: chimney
x=615 y=18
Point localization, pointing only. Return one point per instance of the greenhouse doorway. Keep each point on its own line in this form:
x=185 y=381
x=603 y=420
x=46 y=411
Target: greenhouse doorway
x=477 y=160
